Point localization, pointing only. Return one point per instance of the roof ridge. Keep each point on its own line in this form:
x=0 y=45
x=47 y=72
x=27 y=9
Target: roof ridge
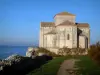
x=82 y=24
x=47 y=24
x=65 y=13
x=66 y=22
x=51 y=32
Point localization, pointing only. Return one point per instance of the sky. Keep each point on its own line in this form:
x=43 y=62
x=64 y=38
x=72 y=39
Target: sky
x=20 y=19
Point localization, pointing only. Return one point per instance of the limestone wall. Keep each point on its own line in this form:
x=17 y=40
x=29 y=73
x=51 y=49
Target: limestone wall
x=86 y=32
x=44 y=30
x=50 y=41
x=81 y=41
x=63 y=32
x=74 y=36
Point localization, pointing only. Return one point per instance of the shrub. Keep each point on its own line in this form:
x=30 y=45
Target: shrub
x=94 y=52
x=69 y=51
x=79 y=51
x=64 y=51
x=47 y=52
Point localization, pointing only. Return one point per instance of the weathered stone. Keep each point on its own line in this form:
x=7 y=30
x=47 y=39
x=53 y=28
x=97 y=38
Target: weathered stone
x=65 y=32
x=31 y=52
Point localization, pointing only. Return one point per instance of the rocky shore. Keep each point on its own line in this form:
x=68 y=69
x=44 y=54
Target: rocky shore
x=13 y=59
x=20 y=65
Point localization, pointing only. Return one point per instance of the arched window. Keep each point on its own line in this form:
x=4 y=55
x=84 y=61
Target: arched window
x=68 y=36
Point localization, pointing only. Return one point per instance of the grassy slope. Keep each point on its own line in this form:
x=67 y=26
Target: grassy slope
x=50 y=68
x=87 y=66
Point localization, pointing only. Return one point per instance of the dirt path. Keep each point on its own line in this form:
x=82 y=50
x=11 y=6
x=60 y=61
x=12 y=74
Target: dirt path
x=67 y=67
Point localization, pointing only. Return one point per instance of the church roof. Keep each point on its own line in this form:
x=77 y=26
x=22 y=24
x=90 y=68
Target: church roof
x=66 y=23
x=65 y=13
x=47 y=24
x=82 y=24
x=51 y=32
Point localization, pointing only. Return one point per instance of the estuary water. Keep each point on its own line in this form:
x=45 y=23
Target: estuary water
x=6 y=51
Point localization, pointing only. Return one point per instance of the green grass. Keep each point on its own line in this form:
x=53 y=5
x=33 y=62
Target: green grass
x=51 y=68
x=87 y=66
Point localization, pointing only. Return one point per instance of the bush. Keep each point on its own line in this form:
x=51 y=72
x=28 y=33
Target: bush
x=47 y=52
x=94 y=52
x=78 y=51
x=69 y=51
x=64 y=51
x=24 y=66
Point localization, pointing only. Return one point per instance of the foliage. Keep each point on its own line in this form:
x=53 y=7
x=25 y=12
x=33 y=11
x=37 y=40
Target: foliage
x=47 y=52
x=64 y=51
x=94 y=52
x=86 y=66
x=79 y=51
x=24 y=66
x=69 y=51
x=51 y=68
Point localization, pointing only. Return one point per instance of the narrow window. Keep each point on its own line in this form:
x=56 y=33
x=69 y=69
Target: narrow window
x=68 y=37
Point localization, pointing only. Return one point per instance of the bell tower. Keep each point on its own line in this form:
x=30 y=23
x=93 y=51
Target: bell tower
x=64 y=16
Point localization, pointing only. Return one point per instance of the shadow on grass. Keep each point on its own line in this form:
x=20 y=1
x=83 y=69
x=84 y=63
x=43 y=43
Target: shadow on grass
x=50 y=68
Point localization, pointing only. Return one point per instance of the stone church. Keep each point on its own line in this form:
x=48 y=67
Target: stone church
x=64 y=32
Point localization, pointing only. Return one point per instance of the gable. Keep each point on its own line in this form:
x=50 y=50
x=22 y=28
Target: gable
x=51 y=32
x=65 y=13
x=67 y=23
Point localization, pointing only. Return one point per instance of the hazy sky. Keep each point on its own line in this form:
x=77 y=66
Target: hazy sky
x=20 y=19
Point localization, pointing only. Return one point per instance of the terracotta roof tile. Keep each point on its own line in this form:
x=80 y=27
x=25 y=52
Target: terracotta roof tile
x=65 y=13
x=66 y=23
x=47 y=24
x=51 y=32
x=82 y=24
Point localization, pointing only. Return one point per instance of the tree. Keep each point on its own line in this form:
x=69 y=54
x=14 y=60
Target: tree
x=94 y=52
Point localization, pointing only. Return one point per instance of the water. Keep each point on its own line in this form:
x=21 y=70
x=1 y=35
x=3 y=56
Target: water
x=6 y=51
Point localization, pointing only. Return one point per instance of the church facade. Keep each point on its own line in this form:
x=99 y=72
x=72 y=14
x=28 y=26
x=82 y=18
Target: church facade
x=64 y=32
